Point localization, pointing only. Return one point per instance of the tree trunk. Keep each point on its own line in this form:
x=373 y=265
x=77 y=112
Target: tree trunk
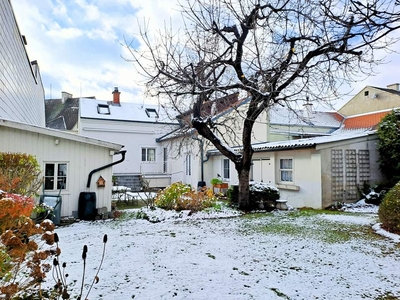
x=244 y=192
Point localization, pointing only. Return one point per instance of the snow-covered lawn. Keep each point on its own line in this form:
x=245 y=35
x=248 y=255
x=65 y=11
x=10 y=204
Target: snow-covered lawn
x=281 y=255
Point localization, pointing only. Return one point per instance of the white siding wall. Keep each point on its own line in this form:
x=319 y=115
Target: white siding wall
x=21 y=89
x=134 y=136
x=80 y=157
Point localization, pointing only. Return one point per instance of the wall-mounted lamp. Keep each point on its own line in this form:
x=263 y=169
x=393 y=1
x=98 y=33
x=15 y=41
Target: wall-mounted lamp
x=56 y=141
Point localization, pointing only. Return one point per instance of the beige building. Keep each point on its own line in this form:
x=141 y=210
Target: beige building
x=372 y=99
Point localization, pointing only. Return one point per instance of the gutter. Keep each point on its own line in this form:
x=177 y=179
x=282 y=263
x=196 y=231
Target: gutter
x=122 y=152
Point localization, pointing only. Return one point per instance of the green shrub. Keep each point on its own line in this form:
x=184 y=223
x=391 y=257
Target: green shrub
x=215 y=181
x=179 y=196
x=168 y=197
x=19 y=173
x=233 y=195
x=389 y=210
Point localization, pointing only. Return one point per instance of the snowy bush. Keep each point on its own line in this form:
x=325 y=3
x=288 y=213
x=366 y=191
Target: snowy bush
x=263 y=193
x=389 y=210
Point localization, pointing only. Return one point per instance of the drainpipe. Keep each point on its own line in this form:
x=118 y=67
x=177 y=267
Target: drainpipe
x=106 y=166
x=201 y=183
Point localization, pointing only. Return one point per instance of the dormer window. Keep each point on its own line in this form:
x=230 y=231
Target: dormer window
x=151 y=112
x=103 y=109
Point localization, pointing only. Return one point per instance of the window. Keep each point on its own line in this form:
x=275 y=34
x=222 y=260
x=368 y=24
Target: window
x=286 y=169
x=148 y=154
x=165 y=156
x=151 y=112
x=103 y=109
x=188 y=165
x=55 y=177
x=366 y=93
x=226 y=168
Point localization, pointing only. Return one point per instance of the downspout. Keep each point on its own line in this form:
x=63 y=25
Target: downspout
x=201 y=183
x=122 y=152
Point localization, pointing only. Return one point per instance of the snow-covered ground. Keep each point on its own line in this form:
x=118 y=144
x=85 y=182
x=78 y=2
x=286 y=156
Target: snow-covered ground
x=226 y=256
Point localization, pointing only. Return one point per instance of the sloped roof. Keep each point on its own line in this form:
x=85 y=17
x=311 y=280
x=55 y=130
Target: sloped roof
x=286 y=116
x=302 y=143
x=364 y=121
x=62 y=116
x=309 y=142
x=59 y=134
x=391 y=91
x=126 y=111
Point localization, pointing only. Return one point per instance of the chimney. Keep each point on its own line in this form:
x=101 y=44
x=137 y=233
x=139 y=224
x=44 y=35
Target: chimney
x=393 y=86
x=308 y=111
x=65 y=96
x=116 y=96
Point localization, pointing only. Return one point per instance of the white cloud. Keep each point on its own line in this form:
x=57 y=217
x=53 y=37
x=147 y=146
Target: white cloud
x=77 y=45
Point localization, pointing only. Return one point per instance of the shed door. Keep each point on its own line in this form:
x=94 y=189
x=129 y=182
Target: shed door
x=262 y=170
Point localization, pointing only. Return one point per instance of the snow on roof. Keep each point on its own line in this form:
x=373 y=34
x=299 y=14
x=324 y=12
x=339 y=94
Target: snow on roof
x=287 y=116
x=302 y=143
x=310 y=142
x=126 y=111
x=59 y=134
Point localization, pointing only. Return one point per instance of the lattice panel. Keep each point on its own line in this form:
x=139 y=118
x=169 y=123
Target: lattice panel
x=363 y=166
x=351 y=175
x=337 y=174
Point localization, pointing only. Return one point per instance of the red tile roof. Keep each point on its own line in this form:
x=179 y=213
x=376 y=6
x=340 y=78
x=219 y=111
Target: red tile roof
x=364 y=121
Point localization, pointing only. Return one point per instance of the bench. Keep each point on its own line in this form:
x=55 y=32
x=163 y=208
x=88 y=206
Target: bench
x=281 y=204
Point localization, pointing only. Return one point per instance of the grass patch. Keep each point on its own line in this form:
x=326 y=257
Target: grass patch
x=307 y=223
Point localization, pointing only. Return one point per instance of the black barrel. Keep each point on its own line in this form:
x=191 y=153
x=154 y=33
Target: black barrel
x=87 y=206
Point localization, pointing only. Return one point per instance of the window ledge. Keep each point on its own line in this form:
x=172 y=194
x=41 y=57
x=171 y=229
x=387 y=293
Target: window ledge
x=291 y=187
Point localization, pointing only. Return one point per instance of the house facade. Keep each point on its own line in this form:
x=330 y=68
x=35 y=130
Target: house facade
x=136 y=126
x=66 y=160
x=315 y=172
x=21 y=88
x=315 y=158
x=372 y=99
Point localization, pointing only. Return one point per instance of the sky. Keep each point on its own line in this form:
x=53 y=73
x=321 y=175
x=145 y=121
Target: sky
x=222 y=256
x=79 y=46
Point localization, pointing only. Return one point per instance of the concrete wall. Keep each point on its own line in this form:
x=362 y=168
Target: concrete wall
x=367 y=143
x=376 y=100
x=21 y=89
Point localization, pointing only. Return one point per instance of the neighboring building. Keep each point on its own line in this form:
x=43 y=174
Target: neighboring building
x=136 y=126
x=21 y=89
x=66 y=159
x=63 y=114
x=314 y=158
x=315 y=172
x=372 y=99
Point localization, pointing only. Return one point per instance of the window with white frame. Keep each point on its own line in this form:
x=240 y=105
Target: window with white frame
x=286 y=169
x=188 y=165
x=225 y=168
x=148 y=154
x=55 y=177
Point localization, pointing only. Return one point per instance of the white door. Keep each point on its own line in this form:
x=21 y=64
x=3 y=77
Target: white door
x=263 y=170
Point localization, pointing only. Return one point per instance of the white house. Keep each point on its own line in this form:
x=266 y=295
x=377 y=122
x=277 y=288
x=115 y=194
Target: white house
x=314 y=158
x=315 y=172
x=137 y=126
x=67 y=160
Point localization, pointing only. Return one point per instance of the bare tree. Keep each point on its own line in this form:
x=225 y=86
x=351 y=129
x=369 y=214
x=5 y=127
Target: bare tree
x=275 y=52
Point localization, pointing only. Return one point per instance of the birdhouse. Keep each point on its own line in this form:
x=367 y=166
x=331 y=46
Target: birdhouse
x=101 y=182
